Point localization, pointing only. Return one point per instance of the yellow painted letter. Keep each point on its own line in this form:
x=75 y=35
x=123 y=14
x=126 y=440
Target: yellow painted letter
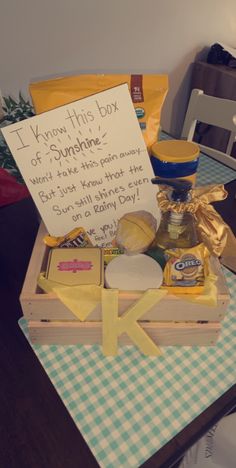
x=113 y=326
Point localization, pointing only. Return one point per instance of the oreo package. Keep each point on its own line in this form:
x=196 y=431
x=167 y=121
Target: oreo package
x=185 y=267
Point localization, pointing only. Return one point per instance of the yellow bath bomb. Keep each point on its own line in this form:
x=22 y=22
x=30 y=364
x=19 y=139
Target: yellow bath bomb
x=136 y=231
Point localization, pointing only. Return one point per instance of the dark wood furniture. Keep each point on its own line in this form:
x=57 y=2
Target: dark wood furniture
x=218 y=81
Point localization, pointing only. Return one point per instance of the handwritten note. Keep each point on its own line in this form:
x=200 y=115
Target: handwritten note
x=85 y=164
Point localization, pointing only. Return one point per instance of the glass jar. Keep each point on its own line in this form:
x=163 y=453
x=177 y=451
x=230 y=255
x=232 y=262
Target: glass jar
x=175 y=159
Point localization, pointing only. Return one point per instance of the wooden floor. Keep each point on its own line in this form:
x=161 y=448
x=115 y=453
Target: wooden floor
x=36 y=430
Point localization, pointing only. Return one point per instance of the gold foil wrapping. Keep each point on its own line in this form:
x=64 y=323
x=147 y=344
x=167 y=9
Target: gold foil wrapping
x=215 y=233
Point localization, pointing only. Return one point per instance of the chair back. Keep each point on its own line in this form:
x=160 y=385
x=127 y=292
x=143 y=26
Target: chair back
x=213 y=111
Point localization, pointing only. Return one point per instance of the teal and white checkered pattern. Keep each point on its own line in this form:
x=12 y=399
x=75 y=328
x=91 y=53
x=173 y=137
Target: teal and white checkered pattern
x=210 y=171
x=213 y=172
x=127 y=407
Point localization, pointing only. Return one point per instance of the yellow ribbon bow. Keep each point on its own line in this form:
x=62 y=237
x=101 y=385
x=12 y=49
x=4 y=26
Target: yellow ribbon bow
x=215 y=233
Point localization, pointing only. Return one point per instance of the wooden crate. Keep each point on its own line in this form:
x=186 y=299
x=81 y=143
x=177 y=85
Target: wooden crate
x=173 y=321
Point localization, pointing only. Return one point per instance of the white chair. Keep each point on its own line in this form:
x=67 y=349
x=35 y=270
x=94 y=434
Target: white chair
x=214 y=111
x=220 y=113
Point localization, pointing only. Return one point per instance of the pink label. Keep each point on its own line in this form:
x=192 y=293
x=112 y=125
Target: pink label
x=74 y=266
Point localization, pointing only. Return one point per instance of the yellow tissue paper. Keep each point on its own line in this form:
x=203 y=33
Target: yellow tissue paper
x=81 y=299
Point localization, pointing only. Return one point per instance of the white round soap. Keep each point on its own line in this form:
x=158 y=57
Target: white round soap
x=133 y=273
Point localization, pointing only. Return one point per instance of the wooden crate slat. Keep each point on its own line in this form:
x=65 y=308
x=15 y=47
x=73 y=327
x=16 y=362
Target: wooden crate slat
x=173 y=321
x=39 y=306
x=163 y=334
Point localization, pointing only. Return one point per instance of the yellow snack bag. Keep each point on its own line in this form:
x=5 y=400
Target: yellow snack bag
x=75 y=238
x=148 y=93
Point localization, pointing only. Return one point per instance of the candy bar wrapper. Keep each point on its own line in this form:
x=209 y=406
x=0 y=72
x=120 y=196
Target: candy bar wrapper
x=110 y=253
x=76 y=238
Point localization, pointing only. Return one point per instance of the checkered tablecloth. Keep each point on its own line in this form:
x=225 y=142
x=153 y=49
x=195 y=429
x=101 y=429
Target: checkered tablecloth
x=212 y=172
x=127 y=407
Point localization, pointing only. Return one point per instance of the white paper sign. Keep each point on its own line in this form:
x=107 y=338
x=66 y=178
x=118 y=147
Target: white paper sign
x=85 y=164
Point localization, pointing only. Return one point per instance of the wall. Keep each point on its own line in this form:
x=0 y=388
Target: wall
x=44 y=38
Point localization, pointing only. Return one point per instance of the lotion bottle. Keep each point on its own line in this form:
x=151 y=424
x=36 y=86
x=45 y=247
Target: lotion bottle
x=177 y=229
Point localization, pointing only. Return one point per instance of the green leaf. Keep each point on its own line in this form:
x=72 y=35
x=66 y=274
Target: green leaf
x=7 y=102
x=12 y=101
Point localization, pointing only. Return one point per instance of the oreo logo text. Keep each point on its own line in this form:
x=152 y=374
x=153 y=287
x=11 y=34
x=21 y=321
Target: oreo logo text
x=188 y=263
